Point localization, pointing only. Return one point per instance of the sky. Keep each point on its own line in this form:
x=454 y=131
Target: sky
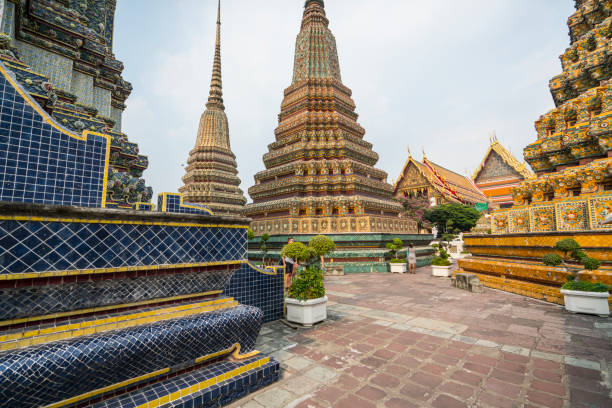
x=438 y=75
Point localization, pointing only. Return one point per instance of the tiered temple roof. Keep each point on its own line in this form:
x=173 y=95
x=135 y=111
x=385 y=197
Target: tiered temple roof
x=211 y=177
x=572 y=156
x=577 y=130
x=499 y=173
x=320 y=174
x=432 y=180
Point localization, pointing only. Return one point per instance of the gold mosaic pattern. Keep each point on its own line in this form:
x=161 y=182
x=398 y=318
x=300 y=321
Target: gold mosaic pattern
x=499 y=223
x=571 y=216
x=519 y=221
x=599 y=208
x=542 y=218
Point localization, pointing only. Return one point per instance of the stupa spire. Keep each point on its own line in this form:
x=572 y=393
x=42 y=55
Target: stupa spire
x=211 y=174
x=320 y=175
x=316 y=55
x=215 y=97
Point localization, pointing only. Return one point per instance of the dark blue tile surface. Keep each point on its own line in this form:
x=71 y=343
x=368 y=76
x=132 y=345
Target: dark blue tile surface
x=256 y=287
x=37 y=246
x=40 y=375
x=40 y=164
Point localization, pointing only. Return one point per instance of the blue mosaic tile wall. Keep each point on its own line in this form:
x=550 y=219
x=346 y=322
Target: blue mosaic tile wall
x=60 y=370
x=49 y=299
x=8 y=19
x=173 y=205
x=37 y=246
x=40 y=164
x=259 y=288
x=102 y=101
x=82 y=87
x=56 y=67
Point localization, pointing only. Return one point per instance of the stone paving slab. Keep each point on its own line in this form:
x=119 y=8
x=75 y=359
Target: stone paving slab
x=413 y=341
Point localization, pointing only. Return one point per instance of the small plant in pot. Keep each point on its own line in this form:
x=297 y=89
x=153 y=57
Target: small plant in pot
x=397 y=265
x=306 y=301
x=441 y=265
x=579 y=296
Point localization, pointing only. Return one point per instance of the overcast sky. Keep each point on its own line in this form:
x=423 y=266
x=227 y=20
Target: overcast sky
x=436 y=74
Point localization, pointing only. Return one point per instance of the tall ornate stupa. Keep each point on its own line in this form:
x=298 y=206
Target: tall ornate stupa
x=212 y=176
x=572 y=158
x=320 y=175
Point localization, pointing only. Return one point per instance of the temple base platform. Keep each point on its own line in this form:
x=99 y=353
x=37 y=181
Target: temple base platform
x=355 y=253
x=513 y=262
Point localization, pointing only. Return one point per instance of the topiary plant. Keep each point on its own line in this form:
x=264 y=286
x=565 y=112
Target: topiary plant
x=439 y=261
x=321 y=245
x=394 y=247
x=552 y=260
x=567 y=246
x=571 y=247
x=308 y=284
x=584 y=286
x=590 y=264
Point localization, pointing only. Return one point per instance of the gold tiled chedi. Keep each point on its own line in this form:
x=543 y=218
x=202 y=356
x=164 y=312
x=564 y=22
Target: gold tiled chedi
x=212 y=175
x=320 y=175
x=572 y=158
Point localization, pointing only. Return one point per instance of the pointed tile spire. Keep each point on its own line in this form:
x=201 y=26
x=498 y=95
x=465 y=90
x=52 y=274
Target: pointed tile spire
x=215 y=97
x=319 y=174
x=211 y=174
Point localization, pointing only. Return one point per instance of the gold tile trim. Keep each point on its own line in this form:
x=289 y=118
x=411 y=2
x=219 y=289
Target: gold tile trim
x=265 y=271
x=100 y=325
x=105 y=308
x=77 y=272
x=102 y=221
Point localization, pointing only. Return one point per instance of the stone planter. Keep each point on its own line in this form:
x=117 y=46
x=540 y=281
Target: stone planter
x=441 y=271
x=595 y=303
x=306 y=312
x=398 y=267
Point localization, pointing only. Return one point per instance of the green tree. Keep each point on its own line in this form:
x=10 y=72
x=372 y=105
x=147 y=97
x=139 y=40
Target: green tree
x=461 y=217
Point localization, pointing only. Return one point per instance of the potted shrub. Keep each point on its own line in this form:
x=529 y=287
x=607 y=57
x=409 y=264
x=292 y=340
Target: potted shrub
x=586 y=297
x=397 y=265
x=579 y=296
x=441 y=265
x=306 y=301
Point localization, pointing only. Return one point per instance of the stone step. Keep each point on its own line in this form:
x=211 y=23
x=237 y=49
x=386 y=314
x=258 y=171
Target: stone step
x=30 y=321
x=215 y=385
x=102 y=365
x=26 y=337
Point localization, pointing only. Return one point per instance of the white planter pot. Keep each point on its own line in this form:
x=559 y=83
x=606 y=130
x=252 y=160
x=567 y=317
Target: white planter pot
x=398 y=267
x=306 y=312
x=586 y=302
x=441 y=271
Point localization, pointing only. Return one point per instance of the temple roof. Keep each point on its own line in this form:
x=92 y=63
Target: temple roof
x=449 y=184
x=507 y=157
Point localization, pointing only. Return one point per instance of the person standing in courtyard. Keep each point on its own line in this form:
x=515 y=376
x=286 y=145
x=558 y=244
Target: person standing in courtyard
x=290 y=266
x=411 y=259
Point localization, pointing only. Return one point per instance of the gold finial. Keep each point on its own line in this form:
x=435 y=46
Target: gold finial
x=409 y=152
x=215 y=97
x=424 y=155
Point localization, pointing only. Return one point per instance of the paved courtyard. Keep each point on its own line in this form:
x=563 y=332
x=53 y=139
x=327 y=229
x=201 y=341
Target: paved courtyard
x=413 y=341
